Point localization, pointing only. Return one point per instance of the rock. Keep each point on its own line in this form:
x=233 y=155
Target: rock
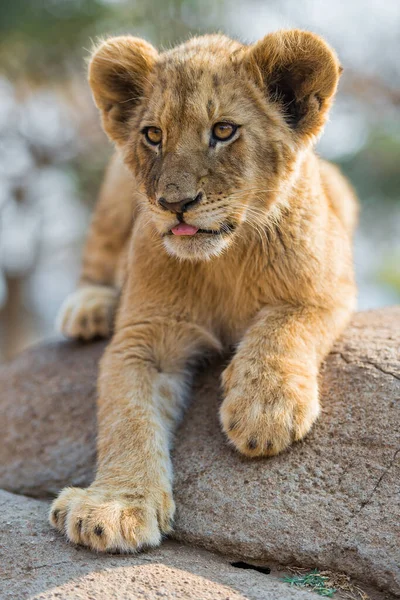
x=47 y=403
x=329 y=501
x=36 y=563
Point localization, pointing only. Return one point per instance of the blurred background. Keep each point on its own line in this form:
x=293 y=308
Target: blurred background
x=52 y=151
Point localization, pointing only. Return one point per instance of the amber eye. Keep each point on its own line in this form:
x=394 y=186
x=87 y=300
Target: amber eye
x=153 y=135
x=224 y=131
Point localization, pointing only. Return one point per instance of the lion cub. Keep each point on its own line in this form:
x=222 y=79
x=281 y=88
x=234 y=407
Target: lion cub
x=221 y=227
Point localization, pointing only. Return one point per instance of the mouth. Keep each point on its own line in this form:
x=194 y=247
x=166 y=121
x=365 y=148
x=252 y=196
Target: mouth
x=190 y=230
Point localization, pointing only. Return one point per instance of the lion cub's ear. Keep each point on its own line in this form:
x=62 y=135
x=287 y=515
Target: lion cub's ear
x=119 y=70
x=300 y=72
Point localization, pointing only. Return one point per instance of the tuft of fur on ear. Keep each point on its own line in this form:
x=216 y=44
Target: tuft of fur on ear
x=119 y=72
x=300 y=72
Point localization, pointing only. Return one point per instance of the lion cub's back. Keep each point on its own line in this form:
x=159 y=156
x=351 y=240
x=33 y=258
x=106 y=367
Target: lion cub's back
x=340 y=194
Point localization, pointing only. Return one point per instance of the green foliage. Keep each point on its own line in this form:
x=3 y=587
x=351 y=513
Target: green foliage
x=389 y=274
x=375 y=168
x=44 y=38
x=318 y=583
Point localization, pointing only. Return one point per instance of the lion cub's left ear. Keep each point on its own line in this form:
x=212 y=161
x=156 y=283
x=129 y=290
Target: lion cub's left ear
x=300 y=73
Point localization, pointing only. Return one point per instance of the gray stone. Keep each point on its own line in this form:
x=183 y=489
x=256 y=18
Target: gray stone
x=36 y=563
x=331 y=501
x=47 y=403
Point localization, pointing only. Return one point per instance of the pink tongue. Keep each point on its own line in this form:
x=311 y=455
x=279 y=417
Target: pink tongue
x=184 y=229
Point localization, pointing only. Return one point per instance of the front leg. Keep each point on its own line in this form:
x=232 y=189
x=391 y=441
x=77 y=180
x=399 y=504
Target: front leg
x=271 y=384
x=142 y=385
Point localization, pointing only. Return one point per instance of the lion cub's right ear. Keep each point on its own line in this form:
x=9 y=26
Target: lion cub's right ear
x=119 y=72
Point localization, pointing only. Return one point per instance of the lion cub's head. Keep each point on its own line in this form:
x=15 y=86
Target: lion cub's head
x=212 y=128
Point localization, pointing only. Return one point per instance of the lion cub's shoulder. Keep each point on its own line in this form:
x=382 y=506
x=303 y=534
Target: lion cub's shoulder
x=340 y=194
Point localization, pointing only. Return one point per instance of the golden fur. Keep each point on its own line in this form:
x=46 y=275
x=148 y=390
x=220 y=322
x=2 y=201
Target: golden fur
x=269 y=270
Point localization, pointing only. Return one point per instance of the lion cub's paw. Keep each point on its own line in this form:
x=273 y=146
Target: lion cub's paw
x=263 y=415
x=112 y=521
x=88 y=312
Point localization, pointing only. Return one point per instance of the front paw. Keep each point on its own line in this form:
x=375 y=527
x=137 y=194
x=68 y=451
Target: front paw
x=105 y=519
x=266 y=409
x=88 y=312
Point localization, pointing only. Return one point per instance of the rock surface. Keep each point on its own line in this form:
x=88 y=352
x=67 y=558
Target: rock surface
x=331 y=501
x=48 y=408
x=37 y=564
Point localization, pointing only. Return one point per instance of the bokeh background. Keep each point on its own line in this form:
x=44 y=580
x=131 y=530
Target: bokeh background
x=52 y=151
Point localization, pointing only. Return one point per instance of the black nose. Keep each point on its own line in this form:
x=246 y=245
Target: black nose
x=181 y=206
